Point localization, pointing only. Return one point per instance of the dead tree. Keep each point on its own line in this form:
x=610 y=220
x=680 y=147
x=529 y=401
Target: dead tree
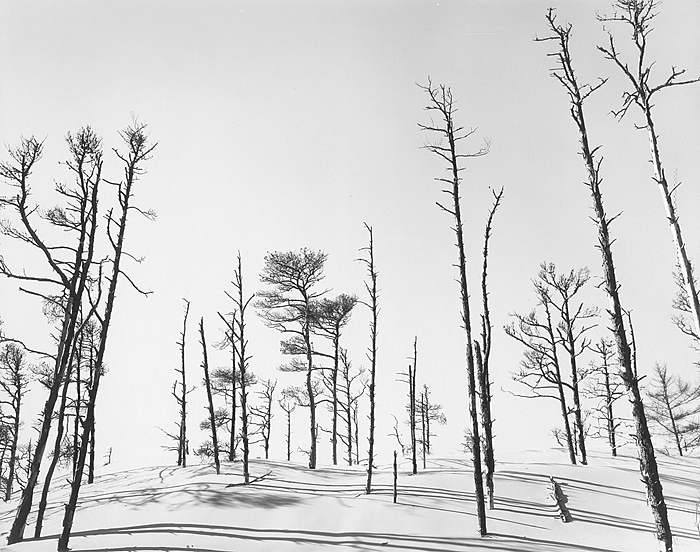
x=412 y=405
x=69 y=264
x=372 y=303
x=441 y=103
x=138 y=150
x=431 y=413
x=261 y=416
x=210 y=401
x=288 y=308
x=483 y=357
x=606 y=389
x=13 y=381
x=226 y=382
x=180 y=394
x=332 y=317
x=574 y=322
x=348 y=398
x=288 y=406
x=239 y=344
x=674 y=406
x=578 y=94
x=638 y=15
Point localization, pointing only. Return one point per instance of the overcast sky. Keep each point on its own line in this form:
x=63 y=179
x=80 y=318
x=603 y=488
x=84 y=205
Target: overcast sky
x=283 y=125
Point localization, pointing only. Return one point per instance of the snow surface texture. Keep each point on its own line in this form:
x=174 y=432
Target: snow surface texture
x=290 y=507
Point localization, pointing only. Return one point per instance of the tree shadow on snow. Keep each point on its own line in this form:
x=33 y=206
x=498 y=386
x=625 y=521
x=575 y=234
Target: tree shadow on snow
x=236 y=536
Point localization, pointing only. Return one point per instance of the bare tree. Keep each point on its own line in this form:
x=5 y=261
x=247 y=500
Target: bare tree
x=138 y=150
x=483 y=357
x=332 y=317
x=674 y=406
x=578 y=94
x=430 y=414
x=353 y=385
x=638 y=15
x=62 y=289
x=210 y=401
x=261 y=416
x=288 y=406
x=607 y=388
x=373 y=293
x=288 y=308
x=409 y=377
x=239 y=344
x=441 y=103
x=180 y=395
x=14 y=382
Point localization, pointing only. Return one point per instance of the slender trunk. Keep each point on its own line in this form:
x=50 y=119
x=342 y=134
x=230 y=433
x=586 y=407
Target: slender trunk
x=334 y=391
x=210 y=401
x=396 y=477
x=647 y=460
x=234 y=399
x=609 y=410
x=13 y=447
x=412 y=414
x=91 y=466
x=484 y=396
x=182 y=443
x=348 y=414
x=357 y=434
x=560 y=386
x=243 y=371
x=571 y=349
x=289 y=435
x=423 y=416
x=672 y=419
x=373 y=294
x=672 y=216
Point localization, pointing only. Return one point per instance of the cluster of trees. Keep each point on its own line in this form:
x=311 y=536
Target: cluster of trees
x=637 y=17
x=292 y=303
x=79 y=264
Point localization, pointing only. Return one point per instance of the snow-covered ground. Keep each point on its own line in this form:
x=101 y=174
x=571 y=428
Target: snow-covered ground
x=289 y=507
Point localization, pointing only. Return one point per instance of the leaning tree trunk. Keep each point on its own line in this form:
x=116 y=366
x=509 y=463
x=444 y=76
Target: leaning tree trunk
x=647 y=459
x=210 y=401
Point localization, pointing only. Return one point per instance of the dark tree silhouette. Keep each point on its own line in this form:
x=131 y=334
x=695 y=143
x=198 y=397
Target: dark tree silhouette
x=578 y=94
x=288 y=406
x=63 y=288
x=483 y=357
x=332 y=316
x=441 y=104
x=574 y=321
x=180 y=394
x=353 y=385
x=373 y=304
x=638 y=16
x=288 y=308
x=138 y=150
x=239 y=344
x=606 y=389
x=261 y=416
x=14 y=382
x=210 y=401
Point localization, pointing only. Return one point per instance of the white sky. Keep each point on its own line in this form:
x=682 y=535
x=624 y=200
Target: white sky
x=288 y=124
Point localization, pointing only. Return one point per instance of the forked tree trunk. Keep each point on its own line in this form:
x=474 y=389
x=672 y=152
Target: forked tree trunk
x=441 y=101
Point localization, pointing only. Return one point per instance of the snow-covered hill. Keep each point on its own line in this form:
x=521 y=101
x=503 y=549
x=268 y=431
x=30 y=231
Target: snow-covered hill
x=289 y=507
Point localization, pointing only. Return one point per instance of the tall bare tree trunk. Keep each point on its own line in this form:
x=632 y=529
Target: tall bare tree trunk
x=373 y=292
x=441 y=101
x=210 y=401
x=647 y=459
